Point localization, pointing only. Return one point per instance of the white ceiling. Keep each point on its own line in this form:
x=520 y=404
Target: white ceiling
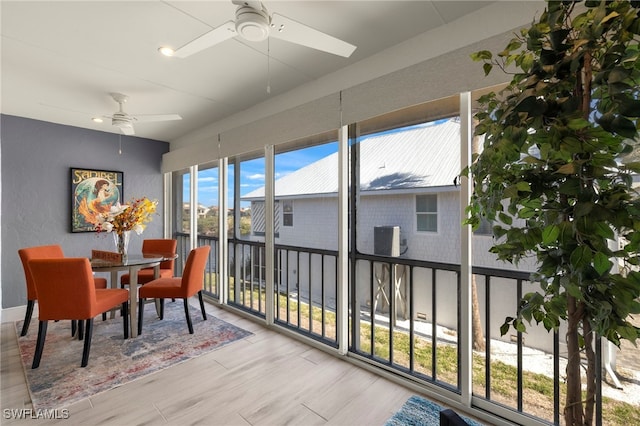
x=60 y=60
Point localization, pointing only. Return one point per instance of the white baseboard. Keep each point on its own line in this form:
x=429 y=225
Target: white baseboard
x=16 y=313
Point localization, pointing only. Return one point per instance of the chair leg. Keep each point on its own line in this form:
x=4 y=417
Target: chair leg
x=42 y=333
x=80 y=329
x=27 y=317
x=140 y=315
x=104 y=316
x=124 y=311
x=186 y=314
x=204 y=314
x=161 y=309
x=87 y=343
x=74 y=327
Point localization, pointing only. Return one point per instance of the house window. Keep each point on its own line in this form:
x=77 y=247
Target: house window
x=287 y=213
x=427 y=213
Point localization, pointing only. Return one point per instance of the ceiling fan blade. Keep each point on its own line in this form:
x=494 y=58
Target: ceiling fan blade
x=156 y=117
x=128 y=131
x=295 y=32
x=213 y=37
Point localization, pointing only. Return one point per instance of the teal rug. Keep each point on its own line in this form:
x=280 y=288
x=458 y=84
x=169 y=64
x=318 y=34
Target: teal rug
x=418 y=411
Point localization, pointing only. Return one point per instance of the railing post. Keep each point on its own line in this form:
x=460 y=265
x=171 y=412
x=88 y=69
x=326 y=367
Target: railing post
x=193 y=214
x=342 y=296
x=166 y=205
x=222 y=275
x=465 y=333
x=269 y=233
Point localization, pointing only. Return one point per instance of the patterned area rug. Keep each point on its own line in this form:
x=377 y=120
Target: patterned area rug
x=418 y=411
x=113 y=361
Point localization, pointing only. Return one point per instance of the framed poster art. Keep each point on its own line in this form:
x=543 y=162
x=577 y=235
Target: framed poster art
x=93 y=192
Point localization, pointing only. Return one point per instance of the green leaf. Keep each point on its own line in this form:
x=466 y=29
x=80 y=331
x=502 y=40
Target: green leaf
x=624 y=127
x=578 y=124
x=601 y=263
x=630 y=107
x=483 y=55
x=618 y=74
x=550 y=234
x=570 y=187
x=504 y=328
x=549 y=324
x=581 y=257
x=583 y=209
x=574 y=290
x=527 y=62
x=610 y=16
x=567 y=169
x=629 y=332
x=604 y=230
x=505 y=218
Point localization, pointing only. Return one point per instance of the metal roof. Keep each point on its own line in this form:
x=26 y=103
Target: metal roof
x=425 y=156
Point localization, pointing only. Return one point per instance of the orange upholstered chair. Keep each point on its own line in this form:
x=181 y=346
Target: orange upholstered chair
x=190 y=283
x=158 y=246
x=42 y=252
x=66 y=291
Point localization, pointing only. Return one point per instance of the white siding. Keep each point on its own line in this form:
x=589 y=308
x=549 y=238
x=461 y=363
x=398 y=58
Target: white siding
x=315 y=224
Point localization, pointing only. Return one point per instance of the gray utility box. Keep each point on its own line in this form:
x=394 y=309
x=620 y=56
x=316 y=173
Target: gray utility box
x=386 y=240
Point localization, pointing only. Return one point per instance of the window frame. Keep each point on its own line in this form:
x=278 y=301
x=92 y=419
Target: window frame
x=287 y=214
x=426 y=213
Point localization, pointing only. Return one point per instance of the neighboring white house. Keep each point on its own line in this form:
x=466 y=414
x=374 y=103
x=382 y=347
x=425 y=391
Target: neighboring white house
x=202 y=209
x=407 y=180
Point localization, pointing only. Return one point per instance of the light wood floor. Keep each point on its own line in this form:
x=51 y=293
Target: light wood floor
x=266 y=379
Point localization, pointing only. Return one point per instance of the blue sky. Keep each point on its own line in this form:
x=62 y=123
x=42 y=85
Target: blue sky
x=253 y=171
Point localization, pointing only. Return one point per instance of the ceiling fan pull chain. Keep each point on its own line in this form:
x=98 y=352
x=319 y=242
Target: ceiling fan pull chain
x=268 y=66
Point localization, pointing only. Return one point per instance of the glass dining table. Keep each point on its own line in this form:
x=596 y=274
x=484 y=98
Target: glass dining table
x=132 y=263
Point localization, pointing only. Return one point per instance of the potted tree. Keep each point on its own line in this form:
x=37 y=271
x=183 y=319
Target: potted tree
x=556 y=177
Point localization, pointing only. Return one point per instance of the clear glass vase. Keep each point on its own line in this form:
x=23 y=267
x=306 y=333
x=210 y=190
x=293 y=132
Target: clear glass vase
x=121 y=240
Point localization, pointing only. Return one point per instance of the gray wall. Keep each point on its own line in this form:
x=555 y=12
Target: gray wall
x=36 y=194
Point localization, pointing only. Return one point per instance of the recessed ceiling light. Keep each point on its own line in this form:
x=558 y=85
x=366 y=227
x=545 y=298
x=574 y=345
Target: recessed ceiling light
x=166 y=51
x=97 y=119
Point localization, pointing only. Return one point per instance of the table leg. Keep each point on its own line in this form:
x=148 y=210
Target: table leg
x=113 y=281
x=156 y=275
x=133 y=300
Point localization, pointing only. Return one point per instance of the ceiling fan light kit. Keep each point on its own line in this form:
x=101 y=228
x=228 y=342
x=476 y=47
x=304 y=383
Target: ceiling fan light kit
x=252 y=24
x=124 y=121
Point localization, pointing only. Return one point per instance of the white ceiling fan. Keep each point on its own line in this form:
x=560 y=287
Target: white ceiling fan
x=254 y=23
x=125 y=121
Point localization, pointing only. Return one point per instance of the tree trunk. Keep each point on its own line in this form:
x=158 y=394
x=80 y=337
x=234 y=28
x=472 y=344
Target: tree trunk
x=573 y=414
x=589 y=403
x=478 y=335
